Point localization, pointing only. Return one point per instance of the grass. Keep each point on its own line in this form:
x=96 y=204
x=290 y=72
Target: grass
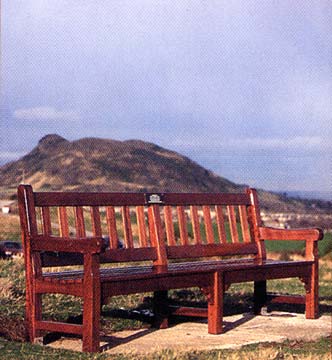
x=297 y=247
x=289 y=350
x=10 y=227
x=238 y=299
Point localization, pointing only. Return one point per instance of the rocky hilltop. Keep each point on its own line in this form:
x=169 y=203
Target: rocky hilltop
x=92 y=164
x=109 y=165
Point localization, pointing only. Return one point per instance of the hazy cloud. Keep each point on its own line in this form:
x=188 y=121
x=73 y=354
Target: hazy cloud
x=45 y=113
x=298 y=143
x=10 y=155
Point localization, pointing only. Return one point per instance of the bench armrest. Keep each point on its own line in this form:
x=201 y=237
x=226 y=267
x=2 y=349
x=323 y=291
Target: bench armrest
x=268 y=233
x=92 y=245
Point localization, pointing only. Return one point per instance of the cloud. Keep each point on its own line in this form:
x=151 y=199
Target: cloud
x=296 y=143
x=10 y=155
x=45 y=113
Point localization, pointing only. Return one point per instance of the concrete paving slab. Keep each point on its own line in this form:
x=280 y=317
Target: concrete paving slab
x=239 y=330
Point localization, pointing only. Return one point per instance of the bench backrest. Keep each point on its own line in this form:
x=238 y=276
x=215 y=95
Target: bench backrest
x=140 y=227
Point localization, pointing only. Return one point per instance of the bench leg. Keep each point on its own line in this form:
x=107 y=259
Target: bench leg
x=160 y=309
x=311 y=297
x=91 y=321
x=260 y=296
x=33 y=314
x=91 y=304
x=215 y=304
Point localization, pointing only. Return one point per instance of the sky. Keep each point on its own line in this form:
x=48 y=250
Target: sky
x=242 y=87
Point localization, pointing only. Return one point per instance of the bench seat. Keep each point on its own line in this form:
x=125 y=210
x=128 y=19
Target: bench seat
x=146 y=272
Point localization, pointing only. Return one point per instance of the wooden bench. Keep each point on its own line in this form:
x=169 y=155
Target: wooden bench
x=167 y=241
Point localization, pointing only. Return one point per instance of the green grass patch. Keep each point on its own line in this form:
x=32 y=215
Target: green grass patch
x=298 y=247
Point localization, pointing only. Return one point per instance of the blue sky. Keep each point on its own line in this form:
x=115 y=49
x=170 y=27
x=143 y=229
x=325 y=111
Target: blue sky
x=242 y=87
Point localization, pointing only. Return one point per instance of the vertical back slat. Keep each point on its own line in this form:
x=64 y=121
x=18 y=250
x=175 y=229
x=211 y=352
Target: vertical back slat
x=79 y=222
x=182 y=225
x=156 y=235
x=46 y=218
x=127 y=231
x=111 y=225
x=95 y=221
x=169 y=225
x=195 y=225
x=63 y=221
x=244 y=223
x=141 y=226
x=232 y=224
x=221 y=224
x=208 y=224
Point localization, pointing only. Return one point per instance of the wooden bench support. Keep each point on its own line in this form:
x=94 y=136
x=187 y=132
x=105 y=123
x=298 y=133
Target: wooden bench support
x=215 y=304
x=311 y=286
x=160 y=309
x=35 y=315
x=91 y=303
x=260 y=296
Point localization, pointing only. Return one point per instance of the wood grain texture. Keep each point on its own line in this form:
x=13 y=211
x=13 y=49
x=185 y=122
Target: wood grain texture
x=169 y=226
x=111 y=225
x=195 y=225
x=79 y=222
x=127 y=230
x=182 y=220
x=208 y=224
x=233 y=224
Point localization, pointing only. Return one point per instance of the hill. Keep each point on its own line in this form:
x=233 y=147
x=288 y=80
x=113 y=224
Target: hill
x=109 y=165
x=92 y=164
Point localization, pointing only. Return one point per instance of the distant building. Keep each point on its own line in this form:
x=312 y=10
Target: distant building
x=6 y=206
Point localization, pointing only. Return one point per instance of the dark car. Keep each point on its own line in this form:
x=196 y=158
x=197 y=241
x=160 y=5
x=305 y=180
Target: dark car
x=9 y=249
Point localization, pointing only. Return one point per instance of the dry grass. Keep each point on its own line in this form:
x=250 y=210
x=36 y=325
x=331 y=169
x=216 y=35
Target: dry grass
x=12 y=328
x=6 y=288
x=273 y=354
x=10 y=227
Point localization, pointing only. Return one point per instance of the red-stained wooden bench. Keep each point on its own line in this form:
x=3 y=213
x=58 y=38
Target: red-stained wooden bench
x=167 y=241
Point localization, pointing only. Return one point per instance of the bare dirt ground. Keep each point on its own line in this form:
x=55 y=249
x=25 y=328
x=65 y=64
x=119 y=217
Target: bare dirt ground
x=239 y=330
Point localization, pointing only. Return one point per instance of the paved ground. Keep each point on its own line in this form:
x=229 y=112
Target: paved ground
x=239 y=330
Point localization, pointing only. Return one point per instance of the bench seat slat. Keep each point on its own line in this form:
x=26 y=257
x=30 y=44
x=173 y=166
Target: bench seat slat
x=135 y=272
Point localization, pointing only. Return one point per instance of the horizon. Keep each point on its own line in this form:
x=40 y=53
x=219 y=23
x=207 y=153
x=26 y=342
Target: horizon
x=242 y=88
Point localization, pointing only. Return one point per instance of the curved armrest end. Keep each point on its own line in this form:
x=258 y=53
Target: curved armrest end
x=312 y=234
